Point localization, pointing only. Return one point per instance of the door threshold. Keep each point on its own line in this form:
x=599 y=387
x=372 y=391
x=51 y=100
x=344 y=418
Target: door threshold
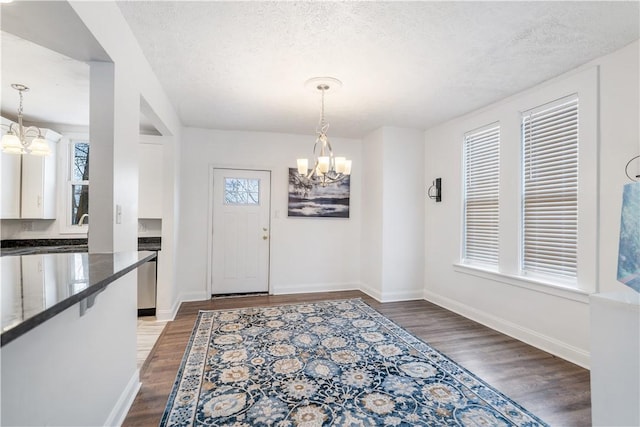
x=240 y=295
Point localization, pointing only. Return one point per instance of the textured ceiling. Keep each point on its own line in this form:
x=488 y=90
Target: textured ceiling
x=242 y=65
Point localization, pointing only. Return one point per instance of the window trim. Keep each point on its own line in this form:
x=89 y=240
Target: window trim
x=536 y=284
x=538 y=273
x=64 y=212
x=584 y=82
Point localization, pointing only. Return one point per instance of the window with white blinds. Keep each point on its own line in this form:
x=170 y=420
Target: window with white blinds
x=550 y=189
x=481 y=195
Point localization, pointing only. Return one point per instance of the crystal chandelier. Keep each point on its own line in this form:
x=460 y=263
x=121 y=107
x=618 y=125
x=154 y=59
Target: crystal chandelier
x=24 y=140
x=327 y=168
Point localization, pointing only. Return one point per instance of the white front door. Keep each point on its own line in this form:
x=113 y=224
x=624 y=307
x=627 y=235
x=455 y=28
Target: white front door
x=240 y=243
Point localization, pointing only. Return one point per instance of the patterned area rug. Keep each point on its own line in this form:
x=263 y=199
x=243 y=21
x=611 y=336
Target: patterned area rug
x=330 y=363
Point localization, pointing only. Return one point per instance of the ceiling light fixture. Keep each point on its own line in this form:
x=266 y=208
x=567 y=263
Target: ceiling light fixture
x=327 y=168
x=24 y=140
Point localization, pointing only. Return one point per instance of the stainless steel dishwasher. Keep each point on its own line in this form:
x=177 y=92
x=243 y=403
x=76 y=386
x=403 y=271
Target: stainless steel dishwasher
x=147 y=274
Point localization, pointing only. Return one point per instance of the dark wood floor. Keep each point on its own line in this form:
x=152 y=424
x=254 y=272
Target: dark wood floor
x=555 y=390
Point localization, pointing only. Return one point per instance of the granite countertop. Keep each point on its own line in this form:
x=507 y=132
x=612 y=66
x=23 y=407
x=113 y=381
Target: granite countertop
x=37 y=287
x=56 y=246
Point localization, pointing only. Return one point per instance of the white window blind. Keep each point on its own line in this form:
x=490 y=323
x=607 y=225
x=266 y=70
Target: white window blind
x=550 y=193
x=481 y=195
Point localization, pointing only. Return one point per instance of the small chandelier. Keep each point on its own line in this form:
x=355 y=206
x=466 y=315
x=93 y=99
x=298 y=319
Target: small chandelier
x=24 y=140
x=327 y=168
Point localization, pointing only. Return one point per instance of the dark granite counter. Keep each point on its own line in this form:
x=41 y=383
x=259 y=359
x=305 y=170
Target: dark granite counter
x=56 y=246
x=37 y=287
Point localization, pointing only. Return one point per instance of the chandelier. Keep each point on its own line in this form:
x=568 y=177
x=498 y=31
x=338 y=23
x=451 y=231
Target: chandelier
x=327 y=168
x=24 y=140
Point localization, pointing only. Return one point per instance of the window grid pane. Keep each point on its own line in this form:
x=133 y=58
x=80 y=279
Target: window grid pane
x=80 y=164
x=241 y=191
x=550 y=189
x=79 y=203
x=481 y=203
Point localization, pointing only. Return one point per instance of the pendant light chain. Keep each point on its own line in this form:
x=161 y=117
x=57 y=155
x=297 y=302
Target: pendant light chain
x=323 y=123
x=322 y=109
x=20 y=106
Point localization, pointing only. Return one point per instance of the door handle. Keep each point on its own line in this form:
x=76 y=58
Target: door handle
x=265 y=237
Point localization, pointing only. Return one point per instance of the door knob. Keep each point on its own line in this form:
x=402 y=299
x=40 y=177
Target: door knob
x=265 y=237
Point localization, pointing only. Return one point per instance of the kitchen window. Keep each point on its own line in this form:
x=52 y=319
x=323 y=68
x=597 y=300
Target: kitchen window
x=78 y=202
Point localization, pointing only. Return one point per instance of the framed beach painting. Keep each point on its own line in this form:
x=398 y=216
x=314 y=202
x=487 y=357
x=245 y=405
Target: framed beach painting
x=308 y=201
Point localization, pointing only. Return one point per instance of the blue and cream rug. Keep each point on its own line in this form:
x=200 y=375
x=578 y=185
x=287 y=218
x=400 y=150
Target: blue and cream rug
x=335 y=363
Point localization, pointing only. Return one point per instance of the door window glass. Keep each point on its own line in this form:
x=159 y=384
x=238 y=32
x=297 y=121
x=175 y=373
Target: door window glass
x=241 y=191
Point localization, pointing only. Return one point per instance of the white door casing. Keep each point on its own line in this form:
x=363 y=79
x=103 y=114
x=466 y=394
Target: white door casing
x=240 y=231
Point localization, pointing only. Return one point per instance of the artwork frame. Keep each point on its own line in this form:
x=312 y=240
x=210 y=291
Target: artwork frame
x=629 y=243
x=331 y=201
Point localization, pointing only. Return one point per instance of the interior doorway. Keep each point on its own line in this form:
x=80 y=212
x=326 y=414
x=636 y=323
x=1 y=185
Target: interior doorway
x=240 y=230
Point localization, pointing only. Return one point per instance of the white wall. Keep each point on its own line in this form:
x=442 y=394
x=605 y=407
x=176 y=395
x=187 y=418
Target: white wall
x=149 y=227
x=329 y=258
x=393 y=227
x=549 y=317
x=620 y=136
x=372 y=204
x=615 y=359
x=403 y=214
x=110 y=29
x=168 y=285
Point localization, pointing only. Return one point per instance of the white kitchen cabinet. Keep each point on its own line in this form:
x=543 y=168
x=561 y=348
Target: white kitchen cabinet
x=150 y=180
x=39 y=182
x=11 y=171
x=10 y=180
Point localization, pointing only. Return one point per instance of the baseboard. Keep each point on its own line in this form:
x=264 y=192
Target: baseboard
x=373 y=293
x=128 y=395
x=168 y=315
x=402 y=296
x=314 y=288
x=551 y=345
x=194 y=296
x=392 y=296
